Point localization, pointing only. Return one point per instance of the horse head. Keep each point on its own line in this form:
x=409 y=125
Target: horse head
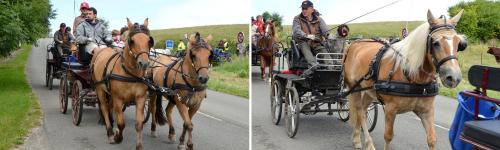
x=139 y=42
x=443 y=44
x=198 y=53
x=269 y=30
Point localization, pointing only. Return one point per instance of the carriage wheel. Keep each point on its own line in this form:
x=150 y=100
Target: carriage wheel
x=292 y=111
x=47 y=74
x=51 y=77
x=343 y=104
x=77 y=102
x=276 y=101
x=63 y=93
x=371 y=116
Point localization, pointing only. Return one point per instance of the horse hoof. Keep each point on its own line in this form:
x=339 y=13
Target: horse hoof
x=153 y=134
x=117 y=137
x=370 y=147
x=190 y=146
x=138 y=147
x=111 y=140
x=181 y=147
x=171 y=137
x=357 y=145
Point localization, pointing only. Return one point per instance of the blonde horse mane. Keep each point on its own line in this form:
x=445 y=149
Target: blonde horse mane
x=411 y=50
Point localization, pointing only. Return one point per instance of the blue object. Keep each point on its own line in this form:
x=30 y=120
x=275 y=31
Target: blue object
x=169 y=44
x=465 y=112
x=72 y=58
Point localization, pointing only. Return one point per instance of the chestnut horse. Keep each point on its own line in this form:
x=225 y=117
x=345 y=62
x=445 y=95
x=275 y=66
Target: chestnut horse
x=429 y=50
x=187 y=78
x=118 y=74
x=266 y=50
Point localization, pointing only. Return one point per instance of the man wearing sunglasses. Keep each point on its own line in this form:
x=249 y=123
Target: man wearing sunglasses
x=309 y=31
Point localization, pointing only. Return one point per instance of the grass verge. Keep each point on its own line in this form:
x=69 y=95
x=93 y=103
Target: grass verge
x=20 y=109
x=231 y=77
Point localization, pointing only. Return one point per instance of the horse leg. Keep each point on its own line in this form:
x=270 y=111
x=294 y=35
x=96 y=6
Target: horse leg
x=152 y=106
x=139 y=117
x=171 y=129
x=354 y=105
x=262 y=67
x=183 y=111
x=120 y=120
x=390 y=116
x=103 y=107
x=271 y=68
x=366 y=101
x=427 y=119
x=192 y=111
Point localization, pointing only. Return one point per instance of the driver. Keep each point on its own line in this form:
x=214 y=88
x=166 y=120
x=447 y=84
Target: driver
x=92 y=34
x=309 y=30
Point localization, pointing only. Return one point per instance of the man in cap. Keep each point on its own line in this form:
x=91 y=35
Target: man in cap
x=62 y=38
x=309 y=30
x=84 y=7
x=92 y=34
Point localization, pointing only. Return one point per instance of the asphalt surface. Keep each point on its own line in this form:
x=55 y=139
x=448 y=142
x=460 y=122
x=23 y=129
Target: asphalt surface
x=221 y=123
x=321 y=131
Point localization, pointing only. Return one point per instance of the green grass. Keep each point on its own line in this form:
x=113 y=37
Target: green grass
x=19 y=108
x=475 y=54
x=231 y=78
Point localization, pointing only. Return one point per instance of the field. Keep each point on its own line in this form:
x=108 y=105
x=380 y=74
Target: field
x=231 y=78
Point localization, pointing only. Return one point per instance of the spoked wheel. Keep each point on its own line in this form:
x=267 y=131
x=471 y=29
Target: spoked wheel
x=77 y=102
x=51 y=77
x=276 y=101
x=47 y=73
x=292 y=111
x=343 y=104
x=371 y=116
x=63 y=93
x=146 y=110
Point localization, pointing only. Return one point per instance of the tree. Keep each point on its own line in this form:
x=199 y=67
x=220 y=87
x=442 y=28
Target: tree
x=266 y=15
x=104 y=22
x=23 y=22
x=275 y=17
x=480 y=20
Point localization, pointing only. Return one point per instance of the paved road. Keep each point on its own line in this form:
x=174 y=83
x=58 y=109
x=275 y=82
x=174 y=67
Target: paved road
x=221 y=124
x=321 y=131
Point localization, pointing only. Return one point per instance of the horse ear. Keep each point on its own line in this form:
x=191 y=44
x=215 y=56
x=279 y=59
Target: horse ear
x=146 y=22
x=130 y=24
x=197 y=36
x=192 y=38
x=430 y=18
x=456 y=18
x=208 y=38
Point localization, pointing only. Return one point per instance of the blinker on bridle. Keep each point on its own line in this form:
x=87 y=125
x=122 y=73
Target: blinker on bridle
x=433 y=29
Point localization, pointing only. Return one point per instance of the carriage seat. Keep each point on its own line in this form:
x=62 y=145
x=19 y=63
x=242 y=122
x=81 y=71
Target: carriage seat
x=296 y=59
x=484 y=132
x=72 y=63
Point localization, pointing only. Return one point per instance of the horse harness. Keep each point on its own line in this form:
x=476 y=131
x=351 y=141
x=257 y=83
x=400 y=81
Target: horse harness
x=398 y=88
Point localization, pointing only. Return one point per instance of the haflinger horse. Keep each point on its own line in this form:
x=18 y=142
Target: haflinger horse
x=266 y=49
x=413 y=62
x=118 y=78
x=187 y=77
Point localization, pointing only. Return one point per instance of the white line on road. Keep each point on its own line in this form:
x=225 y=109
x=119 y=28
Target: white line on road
x=215 y=118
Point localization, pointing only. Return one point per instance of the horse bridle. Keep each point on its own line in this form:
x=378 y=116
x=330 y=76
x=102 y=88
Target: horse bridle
x=192 y=57
x=434 y=29
x=141 y=52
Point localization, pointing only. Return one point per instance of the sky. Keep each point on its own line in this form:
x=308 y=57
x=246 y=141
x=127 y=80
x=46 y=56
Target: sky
x=162 y=14
x=340 y=11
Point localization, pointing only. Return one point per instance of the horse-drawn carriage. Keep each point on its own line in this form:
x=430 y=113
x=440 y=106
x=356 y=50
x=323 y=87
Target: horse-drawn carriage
x=53 y=66
x=219 y=56
x=313 y=93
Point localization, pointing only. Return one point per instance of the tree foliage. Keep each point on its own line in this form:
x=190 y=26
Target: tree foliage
x=480 y=20
x=23 y=21
x=275 y=17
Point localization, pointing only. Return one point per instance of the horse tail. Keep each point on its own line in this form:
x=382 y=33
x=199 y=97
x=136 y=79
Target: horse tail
x=160 y=119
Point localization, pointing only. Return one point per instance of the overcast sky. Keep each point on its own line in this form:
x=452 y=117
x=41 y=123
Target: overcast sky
x=165 y=14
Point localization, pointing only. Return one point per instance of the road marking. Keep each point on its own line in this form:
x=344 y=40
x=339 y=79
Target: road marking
x=215 y=118
x=439 y=126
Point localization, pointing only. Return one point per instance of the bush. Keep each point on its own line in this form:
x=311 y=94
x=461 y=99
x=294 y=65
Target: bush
x=480 y=21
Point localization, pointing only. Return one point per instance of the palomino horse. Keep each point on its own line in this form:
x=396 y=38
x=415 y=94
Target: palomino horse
x=265 y=48
x=431 y=48
x=118 y=78
x=187 y=77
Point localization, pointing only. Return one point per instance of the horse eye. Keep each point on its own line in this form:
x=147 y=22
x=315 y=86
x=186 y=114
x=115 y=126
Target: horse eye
x=435 y=44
